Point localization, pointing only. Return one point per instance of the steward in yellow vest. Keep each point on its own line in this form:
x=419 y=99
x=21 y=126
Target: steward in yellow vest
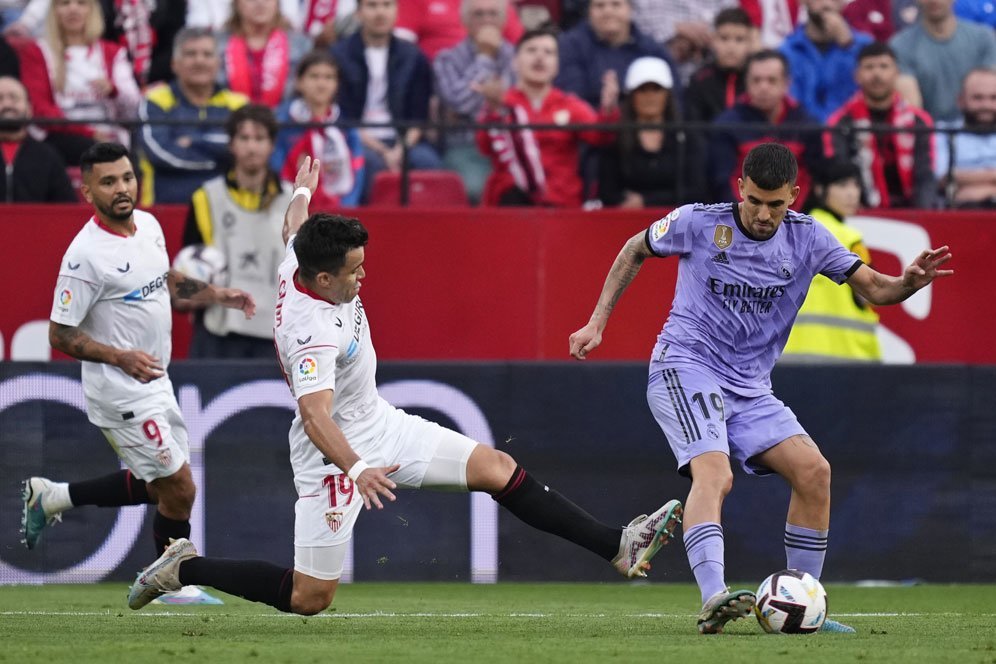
x=834 y=324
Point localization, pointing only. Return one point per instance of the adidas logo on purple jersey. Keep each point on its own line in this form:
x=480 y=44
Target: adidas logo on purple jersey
x=721 y=258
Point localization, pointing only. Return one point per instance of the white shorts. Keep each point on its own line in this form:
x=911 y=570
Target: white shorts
x=155 y=447
x=430 y=456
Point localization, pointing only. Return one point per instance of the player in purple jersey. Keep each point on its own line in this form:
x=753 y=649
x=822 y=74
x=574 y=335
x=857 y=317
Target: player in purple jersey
x=743 y=273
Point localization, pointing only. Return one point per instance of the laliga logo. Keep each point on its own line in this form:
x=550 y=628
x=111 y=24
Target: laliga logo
x=65 y=297
x=307 y=367
x=202 y=419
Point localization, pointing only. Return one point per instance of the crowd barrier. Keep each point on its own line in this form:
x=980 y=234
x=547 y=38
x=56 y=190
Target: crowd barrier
x=499 y=284
x=691 y=138
x=912 y=450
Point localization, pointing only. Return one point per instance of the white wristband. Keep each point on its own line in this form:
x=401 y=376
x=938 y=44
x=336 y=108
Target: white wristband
x=304 y=191
x=357 y=468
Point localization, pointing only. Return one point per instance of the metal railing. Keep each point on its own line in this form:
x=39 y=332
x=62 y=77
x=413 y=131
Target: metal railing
x=682 y=131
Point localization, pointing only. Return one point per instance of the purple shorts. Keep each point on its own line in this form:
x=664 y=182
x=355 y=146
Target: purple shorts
x=697 y=415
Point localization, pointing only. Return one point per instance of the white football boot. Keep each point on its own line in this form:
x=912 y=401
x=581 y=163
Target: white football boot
x=723 y=607
x=644 y=537
x=42 y=508
x=162 y=576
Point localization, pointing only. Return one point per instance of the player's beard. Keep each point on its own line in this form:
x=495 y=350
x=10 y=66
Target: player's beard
x=111 y=212
x=765 y=232
x=880 y=98
x=762 y=232
x=984 y=122
x=11 y=123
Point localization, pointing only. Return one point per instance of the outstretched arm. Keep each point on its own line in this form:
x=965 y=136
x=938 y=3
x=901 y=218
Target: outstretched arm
x=297 y=211
x=881 y=289
x=76 y=343
x=187 y=293
x=623 y=271
x=326 y=435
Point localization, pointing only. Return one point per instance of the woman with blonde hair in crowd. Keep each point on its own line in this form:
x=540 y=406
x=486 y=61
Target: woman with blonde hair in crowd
x=92 y=78
x=260 y=50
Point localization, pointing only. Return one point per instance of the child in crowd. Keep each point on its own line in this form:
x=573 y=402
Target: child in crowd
x=339 y=151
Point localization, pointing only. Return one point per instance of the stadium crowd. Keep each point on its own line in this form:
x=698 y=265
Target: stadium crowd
x=680 y=91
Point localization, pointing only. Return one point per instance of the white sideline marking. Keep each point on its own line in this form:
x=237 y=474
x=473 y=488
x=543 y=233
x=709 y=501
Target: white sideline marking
x=384 y=614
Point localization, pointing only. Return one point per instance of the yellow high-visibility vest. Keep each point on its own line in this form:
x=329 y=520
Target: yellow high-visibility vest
x=832 y=326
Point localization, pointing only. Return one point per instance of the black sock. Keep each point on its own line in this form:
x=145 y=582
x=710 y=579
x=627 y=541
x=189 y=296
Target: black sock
x=543 y=508
x=254 y=580
x=114 y=490
x=164 y=529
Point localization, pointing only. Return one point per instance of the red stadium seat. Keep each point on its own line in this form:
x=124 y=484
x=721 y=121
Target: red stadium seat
x=425 y=189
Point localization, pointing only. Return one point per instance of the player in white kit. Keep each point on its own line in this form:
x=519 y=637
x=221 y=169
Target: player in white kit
x=349 y=448
x=112 y=310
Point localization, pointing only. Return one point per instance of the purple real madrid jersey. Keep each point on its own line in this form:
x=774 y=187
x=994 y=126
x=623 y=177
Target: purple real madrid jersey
x=737 y=297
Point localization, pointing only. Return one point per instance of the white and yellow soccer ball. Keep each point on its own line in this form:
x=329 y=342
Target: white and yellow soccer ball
x=791 y=602
x=203 y=262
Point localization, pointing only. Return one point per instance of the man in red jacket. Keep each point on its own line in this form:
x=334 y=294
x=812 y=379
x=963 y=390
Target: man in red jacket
x=539 y=167
x=897 y=168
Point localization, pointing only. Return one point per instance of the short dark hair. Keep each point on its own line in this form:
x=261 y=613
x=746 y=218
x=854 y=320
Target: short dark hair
x=836 y=170
x=875 y=49
x=771 y=166
x=536 y=33
x=732 y=16
x=101 y=153
x=316 y=57
x=262 y=115
x=323 y=241
x=768 y=54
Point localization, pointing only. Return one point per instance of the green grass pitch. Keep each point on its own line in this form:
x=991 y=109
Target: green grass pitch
x=507 y=622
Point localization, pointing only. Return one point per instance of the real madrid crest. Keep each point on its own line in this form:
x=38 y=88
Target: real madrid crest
x=723 y=237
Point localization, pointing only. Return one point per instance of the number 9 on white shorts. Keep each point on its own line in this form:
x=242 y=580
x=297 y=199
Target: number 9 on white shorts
x=153 y=447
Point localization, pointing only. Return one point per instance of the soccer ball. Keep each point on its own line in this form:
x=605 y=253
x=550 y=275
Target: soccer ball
x=791 y=602
x=203 y=262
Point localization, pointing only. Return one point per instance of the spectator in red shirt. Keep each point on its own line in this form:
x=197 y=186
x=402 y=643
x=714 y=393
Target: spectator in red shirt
x=774 y=19
x=260 y=52
x=896 y=167
x=540 y=167
x=439 y=24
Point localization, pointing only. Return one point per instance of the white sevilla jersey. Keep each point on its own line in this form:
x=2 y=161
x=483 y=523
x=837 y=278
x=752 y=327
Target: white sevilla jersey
x=114 y=288
x=326 y=346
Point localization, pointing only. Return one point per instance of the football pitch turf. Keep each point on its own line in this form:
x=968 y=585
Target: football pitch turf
x=438 y=622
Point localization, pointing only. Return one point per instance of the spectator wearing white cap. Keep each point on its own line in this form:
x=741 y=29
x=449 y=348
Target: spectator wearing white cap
x=644 y=167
